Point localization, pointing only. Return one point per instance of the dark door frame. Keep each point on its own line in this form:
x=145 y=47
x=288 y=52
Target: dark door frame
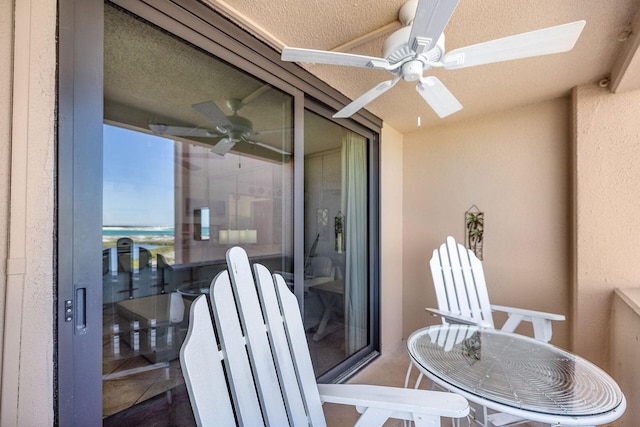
x=78 y=313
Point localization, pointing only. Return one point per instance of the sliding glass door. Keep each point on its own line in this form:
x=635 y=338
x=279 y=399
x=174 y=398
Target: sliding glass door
x=197 y=157
x=202 y=149
x=336 y=285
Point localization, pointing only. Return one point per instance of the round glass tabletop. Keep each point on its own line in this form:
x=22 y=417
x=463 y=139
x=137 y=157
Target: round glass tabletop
x=514 y=370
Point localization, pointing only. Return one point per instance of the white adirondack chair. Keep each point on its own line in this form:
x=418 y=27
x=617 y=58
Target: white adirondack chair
x=462 y=296
x=251 y=365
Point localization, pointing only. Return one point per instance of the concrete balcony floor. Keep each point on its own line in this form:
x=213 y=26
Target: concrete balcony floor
x=389 y=369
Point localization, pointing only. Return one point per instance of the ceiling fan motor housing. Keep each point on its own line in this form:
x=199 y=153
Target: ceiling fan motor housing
x=240 y=123
x=396 y=48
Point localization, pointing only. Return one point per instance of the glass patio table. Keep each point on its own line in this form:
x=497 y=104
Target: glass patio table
x=517 y=375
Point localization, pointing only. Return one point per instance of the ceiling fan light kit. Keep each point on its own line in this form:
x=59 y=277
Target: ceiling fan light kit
x=419 y=46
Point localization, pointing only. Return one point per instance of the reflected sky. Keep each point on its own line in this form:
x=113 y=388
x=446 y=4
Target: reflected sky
x=138 y=179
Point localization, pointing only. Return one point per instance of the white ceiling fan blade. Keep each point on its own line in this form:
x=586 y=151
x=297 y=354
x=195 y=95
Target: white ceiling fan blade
x=160 y=129
x=438 y=96
x=269 y=147
x=294 y=54
x=365 y=98
x=266 y=131
x=223 y=146
x=560 y=38
x=211 y=111
x=431 y=18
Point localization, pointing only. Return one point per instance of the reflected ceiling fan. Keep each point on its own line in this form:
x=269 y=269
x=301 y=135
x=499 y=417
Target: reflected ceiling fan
x=231 y=129
x=419 y=46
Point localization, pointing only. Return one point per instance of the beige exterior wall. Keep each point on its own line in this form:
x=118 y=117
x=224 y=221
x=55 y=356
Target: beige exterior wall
x=27 y=365
x=391 y=276
x=607 y=173
x=514 y=166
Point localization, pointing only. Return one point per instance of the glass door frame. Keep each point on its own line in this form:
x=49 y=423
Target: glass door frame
x=78 y=335
x=351 y=364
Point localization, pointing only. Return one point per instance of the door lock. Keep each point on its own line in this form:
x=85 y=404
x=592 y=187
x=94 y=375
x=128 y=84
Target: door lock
x=68 y=310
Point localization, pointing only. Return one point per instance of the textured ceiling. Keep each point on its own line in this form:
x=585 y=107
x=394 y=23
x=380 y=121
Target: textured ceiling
x=481 y=90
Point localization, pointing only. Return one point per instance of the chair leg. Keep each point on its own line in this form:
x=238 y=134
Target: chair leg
x=408 y=377
x=479 y=414
x=454 y=422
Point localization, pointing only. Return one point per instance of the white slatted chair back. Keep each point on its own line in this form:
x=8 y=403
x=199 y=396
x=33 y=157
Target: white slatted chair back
x=459 y=283
x=232 y=375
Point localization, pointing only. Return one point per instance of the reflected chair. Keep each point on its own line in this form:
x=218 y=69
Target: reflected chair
x=143 y=277
x=163 y=270
x=260 y=373
x=106 y=261
x=124 y=247
x=144 y=259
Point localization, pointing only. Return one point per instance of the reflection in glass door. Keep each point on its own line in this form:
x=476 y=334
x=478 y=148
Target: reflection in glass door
x=197 y=158
x=336 y=285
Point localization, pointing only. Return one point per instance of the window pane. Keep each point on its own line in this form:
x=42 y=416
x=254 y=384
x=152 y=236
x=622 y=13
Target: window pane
x=197 y=158
x=336 y=242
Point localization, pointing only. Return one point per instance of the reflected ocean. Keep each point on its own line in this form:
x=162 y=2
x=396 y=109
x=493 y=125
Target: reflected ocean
x=152 y=235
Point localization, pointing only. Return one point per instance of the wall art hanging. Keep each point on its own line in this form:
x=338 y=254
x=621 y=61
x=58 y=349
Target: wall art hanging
x=474 y=230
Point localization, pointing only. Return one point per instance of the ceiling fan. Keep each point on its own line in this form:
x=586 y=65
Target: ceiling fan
x=419 y=46
x=231 y=129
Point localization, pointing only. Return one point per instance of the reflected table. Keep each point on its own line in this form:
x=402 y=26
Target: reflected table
x=328 y=291
x=195 y=289
x=517 y=375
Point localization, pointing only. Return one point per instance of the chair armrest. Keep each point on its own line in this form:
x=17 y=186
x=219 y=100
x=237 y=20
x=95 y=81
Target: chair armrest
x=458 y=318
x=400 y=402
x=542 y=329
x=529 y=313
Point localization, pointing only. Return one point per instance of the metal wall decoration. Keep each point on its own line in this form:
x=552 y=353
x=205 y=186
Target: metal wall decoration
x=322 y=219
x=474 y=230
x=323 y=231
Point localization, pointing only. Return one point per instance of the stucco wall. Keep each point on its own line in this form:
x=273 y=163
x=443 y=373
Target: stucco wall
x=607 y=173
x=625 y=351
x=391 y=237
x=514 y=166
x=27 y=365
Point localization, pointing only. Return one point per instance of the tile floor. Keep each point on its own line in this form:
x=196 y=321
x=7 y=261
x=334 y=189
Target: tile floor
x=389 y=369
